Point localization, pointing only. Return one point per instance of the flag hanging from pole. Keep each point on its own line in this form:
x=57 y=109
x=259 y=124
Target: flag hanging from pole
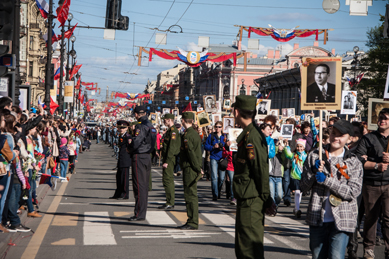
x=68 y=33
x=54 y=37
x=43 y=7
x=63 y=12
x=74 y=71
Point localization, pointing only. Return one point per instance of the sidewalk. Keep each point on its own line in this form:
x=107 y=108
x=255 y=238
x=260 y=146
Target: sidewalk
x=7 y=239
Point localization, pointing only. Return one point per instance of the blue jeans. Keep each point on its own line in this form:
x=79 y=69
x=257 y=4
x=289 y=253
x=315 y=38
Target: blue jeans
x=13 y=205
x=327 y=242
x=217 y=178
x=275 y=185
x=231 y=176
x=64 y=167
x=97 y=140
x=285 y=185
x=30 y=206
x=4 y=181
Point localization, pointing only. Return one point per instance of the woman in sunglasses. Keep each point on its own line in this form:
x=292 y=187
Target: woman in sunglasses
x=215 y=143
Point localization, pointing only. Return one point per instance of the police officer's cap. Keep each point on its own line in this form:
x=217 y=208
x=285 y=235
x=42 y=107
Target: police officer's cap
x=188 y=115
x=122 y=124
x=168 y=116
x=140 y=109
x=245 y=102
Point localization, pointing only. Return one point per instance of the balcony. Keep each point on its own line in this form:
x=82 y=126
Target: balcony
x=34 y=27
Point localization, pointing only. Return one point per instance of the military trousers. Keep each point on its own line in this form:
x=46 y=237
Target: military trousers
x=168 y=181
x=249 y=228
x=122 y=182
x=191 y=199
x=141 y=168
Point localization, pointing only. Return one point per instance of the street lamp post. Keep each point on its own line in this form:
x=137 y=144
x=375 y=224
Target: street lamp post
x=242 y=89
x=356 y=63
x=48 y=59
x=74 y=55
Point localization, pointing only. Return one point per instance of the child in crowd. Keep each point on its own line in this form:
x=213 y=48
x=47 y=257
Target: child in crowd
x=298 y=159
x=336 y=182
x=64 y=158
x=72 y=153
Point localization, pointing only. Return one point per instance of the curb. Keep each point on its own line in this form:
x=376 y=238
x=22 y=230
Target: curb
x=5 y=238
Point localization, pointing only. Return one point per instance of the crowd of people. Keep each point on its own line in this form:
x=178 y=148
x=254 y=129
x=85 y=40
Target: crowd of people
x=36 y=147
x=347 y=182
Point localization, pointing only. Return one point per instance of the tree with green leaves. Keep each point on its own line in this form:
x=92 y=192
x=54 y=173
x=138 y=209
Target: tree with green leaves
x=374 y=65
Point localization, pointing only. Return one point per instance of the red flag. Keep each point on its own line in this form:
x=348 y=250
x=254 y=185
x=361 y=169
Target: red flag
x=63 y=12
x=78 y=83
x=68 y=33
x=188 y=108
x=86 y=84
x=53 y=106
x=79 y=94
x=74 y=70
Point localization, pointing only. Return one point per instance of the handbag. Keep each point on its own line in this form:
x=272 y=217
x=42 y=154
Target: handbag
x=51 y=163
x=222 y=164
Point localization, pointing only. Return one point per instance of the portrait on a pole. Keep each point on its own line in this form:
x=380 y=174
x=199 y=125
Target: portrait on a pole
x=210 y=103
x=263 y=108
x=375 y=106
x=203 y=119
x=349 y=102
x=321 y=83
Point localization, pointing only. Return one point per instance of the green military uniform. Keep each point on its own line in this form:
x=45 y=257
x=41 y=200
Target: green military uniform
x=171 y=148
x=190 y=161
x=250 y=186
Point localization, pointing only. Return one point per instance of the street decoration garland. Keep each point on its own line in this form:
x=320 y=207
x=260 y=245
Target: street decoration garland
x=283 y=35
x=191 y=58
x=129 y=96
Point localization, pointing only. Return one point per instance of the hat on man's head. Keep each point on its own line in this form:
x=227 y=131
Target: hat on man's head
x=344 y=127
x=139 y=109
x=188 y=115
x=122 y=124
x=168 y=116
x=245 y=102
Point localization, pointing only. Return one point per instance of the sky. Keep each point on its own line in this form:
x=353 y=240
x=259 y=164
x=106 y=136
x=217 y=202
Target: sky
x=112 y=63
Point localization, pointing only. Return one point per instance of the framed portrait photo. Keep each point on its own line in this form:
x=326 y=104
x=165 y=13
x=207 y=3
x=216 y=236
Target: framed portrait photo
x=175 y=112
x=287 y=131
x=386 y=92
x=227 y=104
x=153 y=118
x=349 y=102
x=216 y=117
x=288 y=113
x=321 y=83
x=165 y=111
x=375 y=106
x=356 y=118
x=233 y=134
x=274 y=112
x=203 y=119
x=228 y=123
x=263 y=107
x=195 y=116
x=210 y=103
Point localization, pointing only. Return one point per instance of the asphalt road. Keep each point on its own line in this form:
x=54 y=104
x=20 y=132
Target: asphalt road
x=81 y=222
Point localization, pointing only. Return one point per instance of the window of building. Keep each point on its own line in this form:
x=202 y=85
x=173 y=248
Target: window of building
x=31 y=42
x=30 y=68
x=254 y=92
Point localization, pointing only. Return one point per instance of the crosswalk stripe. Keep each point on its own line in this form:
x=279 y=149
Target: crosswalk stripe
x=168 y=233
x=183 y=217
x=159 y=218
x=97 y=229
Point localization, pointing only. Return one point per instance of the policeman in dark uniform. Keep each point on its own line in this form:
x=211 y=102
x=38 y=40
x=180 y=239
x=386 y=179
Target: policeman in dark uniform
x=251 y=181
x=190 y=161
x=124 y=162
x=143 y=144
x=170 y=148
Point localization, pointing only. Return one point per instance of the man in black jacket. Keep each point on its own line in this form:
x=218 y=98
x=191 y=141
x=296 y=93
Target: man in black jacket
x=143 y=144
x=321 y=91
x=124 y=162
x=373 y=152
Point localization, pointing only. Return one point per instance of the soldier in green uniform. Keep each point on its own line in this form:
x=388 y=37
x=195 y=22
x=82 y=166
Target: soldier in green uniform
x=171 y=148
x=251 y=181
x=190 y=162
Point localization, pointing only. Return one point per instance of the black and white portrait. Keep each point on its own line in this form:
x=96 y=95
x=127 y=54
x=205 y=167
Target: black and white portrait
x=322 y=90
x=274 y=112
x=263 y=107
x=203 y=119
x=153 y=116
x=287 y=131
x=288 y=112
x=349 y=99
x=227 y=104
x=175 y=112
x=210 y=103
x=165 y=111
x=228 y=123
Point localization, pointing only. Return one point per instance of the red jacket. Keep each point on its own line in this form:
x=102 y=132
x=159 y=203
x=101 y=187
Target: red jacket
x=228 y=154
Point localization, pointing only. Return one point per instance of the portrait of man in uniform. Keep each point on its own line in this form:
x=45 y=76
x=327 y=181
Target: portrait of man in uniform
x=287 y=131
x=210 y=103
x=321 y=91
x=228 y=123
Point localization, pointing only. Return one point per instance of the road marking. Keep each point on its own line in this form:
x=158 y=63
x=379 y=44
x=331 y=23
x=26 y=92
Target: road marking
x=175 y=182
x=121 y=213
x=97 y=229
x=65 y=242
x=159 y=218
x=66 y=220
x=227 y=224
x=37 y=239
x=168 y=233
x=183 y=217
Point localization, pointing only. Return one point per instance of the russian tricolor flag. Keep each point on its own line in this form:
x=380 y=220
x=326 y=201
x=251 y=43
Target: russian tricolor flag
x=53 y=37
x=43 y=7
x=41 y=103
x=57 y=73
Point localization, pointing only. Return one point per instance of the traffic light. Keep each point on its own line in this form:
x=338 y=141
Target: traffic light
x=7 y=8
x=113 y=18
